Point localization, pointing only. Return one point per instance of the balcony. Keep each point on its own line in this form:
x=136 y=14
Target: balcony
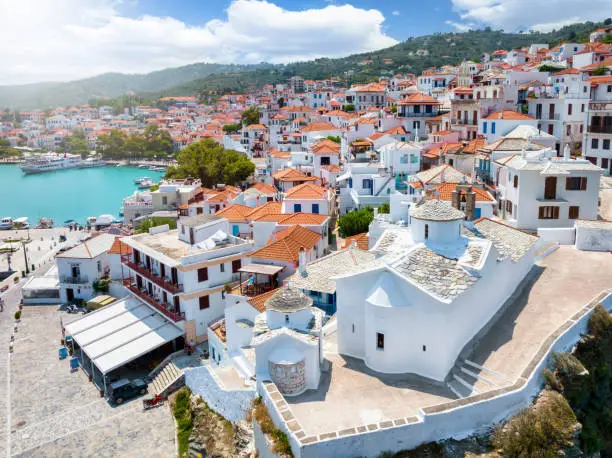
x=411 y=114
x=600 y=129
x=546 y=116
x=74 y=279
x=152 y=301
x=142 y=270
x=465 y=122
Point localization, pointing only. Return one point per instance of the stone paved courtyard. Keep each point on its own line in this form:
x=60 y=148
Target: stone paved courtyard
x=58 y=413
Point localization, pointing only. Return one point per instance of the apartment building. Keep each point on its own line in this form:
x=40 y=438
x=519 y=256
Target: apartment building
x=598 y=131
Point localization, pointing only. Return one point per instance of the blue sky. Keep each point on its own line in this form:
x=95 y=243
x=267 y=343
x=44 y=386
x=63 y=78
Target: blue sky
x=64 y=40
x=415 y=18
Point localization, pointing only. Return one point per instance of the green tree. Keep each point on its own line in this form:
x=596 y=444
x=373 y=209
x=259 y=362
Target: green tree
x=355 y=222
x=231 y=128
x=384 y=208
x=155 y=221
x=601 y=71
x=212 y=163
x=250 y=116
x=111 y=145
x=334 y=138
x=76 y=144
x=349 y=107
x=549 y=68
x=158 y=142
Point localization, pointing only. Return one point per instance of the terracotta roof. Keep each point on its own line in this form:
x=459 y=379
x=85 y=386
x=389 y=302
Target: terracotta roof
x=256 y=127
x=326 y=146
x=508 y=114
x=361 y=240
x=259 y=302
x=445 y=191
x=265 y=209
x=397 y=130
x=568 y=71
x=473 y=145
x=235 y=213
x=333 y=168
x=292 y=175
x=371 y=87
x=596 y=80
x=596 y=65
x=306 y=191
x=418 y=99
x=118 y=247
x=264 y=188
x=318 y=126
x=308 y=219
x=288 y=244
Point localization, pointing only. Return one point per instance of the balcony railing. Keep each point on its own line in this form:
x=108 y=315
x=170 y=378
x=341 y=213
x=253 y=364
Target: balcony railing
x=600 y=129
x=547 y=116
x=75 y=280
x=411 y=114
x=152 y=301
x=465 y=122
x=142 y=270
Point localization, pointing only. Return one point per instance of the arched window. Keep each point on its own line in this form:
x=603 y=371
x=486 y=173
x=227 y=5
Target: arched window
x=426 y=231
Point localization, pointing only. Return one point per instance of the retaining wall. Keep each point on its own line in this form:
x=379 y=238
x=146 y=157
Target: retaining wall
x=593 y=238
x=560 y=235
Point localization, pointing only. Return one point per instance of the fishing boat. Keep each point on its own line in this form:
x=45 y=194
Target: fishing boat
x=6 y=223
x=91 y=162
x=50 y=162
x=142 y=166
x=140 y=180
x=21 y=223
x=157 y=169
x=145 y=184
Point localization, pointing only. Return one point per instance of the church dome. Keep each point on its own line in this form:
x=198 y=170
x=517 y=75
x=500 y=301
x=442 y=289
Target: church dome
x=288 y=300
x=436 y=210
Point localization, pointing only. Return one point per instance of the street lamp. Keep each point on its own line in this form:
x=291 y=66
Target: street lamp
x=25 y=256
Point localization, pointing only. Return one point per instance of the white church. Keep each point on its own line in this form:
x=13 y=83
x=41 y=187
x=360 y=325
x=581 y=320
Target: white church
x=438 y=286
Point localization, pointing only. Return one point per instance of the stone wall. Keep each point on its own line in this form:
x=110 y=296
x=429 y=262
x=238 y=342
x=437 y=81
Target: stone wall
x=231 y=404
x=289 y=378
x=262 y=444
x=594 y=238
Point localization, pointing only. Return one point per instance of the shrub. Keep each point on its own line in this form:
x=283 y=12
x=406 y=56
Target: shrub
x=16 y=279
x=544 y=429
x=600 y=322
x=184 y=420
x=384 y=208
x=355 y=222
x=18 y=314
x=280 y=440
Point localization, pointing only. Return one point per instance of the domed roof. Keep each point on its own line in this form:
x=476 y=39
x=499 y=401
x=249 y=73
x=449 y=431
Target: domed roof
x=288 y=300
x=436 y=210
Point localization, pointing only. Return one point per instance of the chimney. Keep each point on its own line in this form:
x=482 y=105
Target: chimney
x=302 y=262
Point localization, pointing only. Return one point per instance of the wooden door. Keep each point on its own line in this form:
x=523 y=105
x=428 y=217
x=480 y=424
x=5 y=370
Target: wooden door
x=550 y=188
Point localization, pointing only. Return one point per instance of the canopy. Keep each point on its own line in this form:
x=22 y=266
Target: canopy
x=121 y=332
x=264 y=269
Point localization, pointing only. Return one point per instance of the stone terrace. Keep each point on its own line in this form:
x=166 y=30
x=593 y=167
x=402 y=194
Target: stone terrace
x=352 y=396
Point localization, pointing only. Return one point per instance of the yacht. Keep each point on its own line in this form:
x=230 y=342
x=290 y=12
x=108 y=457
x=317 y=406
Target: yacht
x=50 y=162
x=140 y=180
x=91 y=162
x=21 y=223
x=6 y=223
x=145 y=184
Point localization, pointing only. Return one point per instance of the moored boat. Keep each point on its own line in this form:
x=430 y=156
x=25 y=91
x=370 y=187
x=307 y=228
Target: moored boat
x=6 y=223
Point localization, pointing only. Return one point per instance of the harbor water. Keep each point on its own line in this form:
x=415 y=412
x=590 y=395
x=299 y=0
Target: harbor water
x=65 y=195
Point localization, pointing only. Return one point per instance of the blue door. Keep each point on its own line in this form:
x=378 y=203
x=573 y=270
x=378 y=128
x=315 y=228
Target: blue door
x=297 y=208
x=477 y=213
x=235 y=230
x=315 y=208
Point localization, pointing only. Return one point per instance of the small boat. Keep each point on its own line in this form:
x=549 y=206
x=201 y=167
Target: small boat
x=145 y=184
x=91 y=219
x=104 y=220
x=69 y=222
x=6 y=223
x=140 y=180
x=21 y=223
x=157 y=169
x=44 y=223
x=142 y=166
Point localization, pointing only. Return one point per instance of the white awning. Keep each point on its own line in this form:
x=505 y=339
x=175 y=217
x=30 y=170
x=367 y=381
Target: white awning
x=264 y=269
x=344 y=176
x=121 y=332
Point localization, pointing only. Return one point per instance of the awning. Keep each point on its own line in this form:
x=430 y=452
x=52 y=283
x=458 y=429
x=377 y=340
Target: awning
x=264 y=269
x=344 y=176
x=121 y=332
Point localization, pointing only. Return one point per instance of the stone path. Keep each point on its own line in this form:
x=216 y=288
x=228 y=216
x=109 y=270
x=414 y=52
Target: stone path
x=54 y=412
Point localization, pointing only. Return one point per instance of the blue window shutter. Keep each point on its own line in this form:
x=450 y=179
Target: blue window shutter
x=315 y=208
x=484 y=127
x=492 y=127
x=297 y=208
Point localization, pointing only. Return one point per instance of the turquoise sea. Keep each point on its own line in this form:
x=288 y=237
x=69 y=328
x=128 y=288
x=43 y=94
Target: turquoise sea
x=67 y=194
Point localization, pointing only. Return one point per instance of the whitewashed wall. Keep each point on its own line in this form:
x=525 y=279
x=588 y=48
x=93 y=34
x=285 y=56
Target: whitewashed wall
x=230 y=404
x=593 y=239
x=562 y=235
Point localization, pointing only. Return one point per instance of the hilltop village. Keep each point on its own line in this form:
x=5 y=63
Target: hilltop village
x=398 y=269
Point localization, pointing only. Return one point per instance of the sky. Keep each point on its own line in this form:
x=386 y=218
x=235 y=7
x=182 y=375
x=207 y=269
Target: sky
x=65 y=40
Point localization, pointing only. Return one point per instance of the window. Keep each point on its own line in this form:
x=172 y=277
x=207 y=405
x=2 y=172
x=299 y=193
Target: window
x=581 y=126
x=484 y=127
x=236 y=265
x=516 y=181
x=99 y=263
x=582 y=107
x=380 y=341
x=297 y=208
x=574 y=212
x=569 y=108
x=609 y=88
x=492 y=127
x=164 y=200
x=575 y=183
x=222 y=267
x=203 y=274
x=594 y=143
x=509 y=207
x=568 y=130
x=605 y=144
x=424 y=347
x=204 y=302
x=548 y=212
x=315 y=208
x=416 y=124
x=353 y=328
x=426 y=231
x=287 y=319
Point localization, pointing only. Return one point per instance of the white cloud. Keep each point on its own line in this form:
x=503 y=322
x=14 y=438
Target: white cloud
x=395 y=13
x=460 y=27
x=542 y=15
x=69 y=39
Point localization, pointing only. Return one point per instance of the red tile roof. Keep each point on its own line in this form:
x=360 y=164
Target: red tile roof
x=508 y=115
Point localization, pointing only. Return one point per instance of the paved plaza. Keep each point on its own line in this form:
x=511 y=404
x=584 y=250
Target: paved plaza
x=55 y=412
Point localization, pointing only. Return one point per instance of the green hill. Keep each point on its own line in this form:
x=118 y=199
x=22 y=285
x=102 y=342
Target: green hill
x=441 y=48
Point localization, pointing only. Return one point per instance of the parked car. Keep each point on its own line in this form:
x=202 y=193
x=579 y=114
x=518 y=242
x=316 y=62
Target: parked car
x=3 y=288
x=124 y=389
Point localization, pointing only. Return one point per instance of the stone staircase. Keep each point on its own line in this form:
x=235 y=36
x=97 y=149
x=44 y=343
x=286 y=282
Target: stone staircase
x=242 y=367
x=168 y=377
x=466 y=377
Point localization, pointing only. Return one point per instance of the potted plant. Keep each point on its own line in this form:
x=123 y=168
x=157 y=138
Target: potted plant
x=17 y=315
x=10 y=349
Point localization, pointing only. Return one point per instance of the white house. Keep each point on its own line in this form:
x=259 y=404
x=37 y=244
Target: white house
x=81 y=266
x=308 y=198
x=437 y=289
x=598 y=124
x=542 y=191
x=500 y=123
